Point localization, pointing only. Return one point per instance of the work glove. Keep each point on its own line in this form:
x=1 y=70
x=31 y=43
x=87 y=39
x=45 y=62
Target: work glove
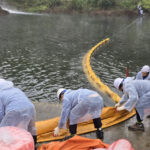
x=56 y=131
x=117 y=105
x=120 y=108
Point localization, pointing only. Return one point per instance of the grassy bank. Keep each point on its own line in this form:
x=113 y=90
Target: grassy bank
x=80 y=5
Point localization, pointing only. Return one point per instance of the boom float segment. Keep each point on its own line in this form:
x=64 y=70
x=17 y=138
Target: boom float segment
x=91 y=76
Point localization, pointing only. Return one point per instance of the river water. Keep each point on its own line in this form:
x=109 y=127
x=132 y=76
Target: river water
x=41 y=53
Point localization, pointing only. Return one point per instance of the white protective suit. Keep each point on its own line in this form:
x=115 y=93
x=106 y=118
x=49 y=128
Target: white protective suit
x=140 y=77
x=136 y=94
x=15 y=108
x=79 y=106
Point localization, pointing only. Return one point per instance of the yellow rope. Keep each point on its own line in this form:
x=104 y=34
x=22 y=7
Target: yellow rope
x=91 y=76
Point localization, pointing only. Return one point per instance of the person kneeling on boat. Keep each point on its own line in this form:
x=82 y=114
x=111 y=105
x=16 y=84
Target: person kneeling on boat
x=79 y=106
x=16 y=109
x=136 y=94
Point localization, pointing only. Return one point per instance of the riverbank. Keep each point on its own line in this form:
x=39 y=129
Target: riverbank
x=99 y=7
x=111 y=12
x=139 y=140
x=3 y=12
x=92 y=12
x=56 y=10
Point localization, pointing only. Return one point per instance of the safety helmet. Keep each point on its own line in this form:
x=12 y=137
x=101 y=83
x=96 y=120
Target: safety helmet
x=60 y=92
x=145 y=68
x=117 y=82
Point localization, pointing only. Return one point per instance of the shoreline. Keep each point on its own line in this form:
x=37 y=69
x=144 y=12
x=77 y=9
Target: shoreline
x=71 y=7
x=110 y=12
x=94 y=12
x=3 y=12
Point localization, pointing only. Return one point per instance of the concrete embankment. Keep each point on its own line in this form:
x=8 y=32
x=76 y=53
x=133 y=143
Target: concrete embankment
x=139 y=140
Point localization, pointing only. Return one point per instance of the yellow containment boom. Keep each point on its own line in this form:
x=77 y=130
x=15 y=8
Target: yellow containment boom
x=109 y=117
x=93 y=79
x=109 y=114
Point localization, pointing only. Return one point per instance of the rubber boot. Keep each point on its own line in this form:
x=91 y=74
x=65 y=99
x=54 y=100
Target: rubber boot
x=99 y=134
x=35 y=140
x=137 y=127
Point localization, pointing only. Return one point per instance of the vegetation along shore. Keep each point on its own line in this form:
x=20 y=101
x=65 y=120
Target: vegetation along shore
x=107 y=7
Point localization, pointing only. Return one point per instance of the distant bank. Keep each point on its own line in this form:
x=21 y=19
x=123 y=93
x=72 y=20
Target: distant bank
x=69 y=11
x=3 y=12
x=96 y=7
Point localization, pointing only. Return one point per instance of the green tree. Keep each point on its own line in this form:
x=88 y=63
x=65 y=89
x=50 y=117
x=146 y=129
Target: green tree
x=146 y=4
x=129 y=4
x=106 y=3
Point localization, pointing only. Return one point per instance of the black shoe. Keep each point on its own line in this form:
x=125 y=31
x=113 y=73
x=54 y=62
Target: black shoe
x=100 y=134
x=68 y=137
x=137 y=127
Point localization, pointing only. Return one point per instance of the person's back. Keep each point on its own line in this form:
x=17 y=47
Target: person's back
x=139 y=76
x=14 y=99
x=15 y=108
x=138 y=92
x=75 y=96
x=79 y=106
x=141 y=86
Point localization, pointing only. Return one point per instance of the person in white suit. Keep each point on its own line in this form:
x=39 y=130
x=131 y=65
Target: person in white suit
x=79 y=106
x=136 y=94
x=16 y=109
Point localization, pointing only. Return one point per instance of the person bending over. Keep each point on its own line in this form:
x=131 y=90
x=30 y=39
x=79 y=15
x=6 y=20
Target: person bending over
x=79 y=106
x=16 y=109
x=136 y=94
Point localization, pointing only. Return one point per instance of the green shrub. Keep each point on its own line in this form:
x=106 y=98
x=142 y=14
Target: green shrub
x=106 y=3
x=78 y=4
x=146 y=4
x=128 y=4
x=85 y=4
x=35 y=3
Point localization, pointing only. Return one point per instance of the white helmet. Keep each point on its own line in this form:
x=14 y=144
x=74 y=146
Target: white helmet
x=145 y=68
x=117 y=82
x=59 y=92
